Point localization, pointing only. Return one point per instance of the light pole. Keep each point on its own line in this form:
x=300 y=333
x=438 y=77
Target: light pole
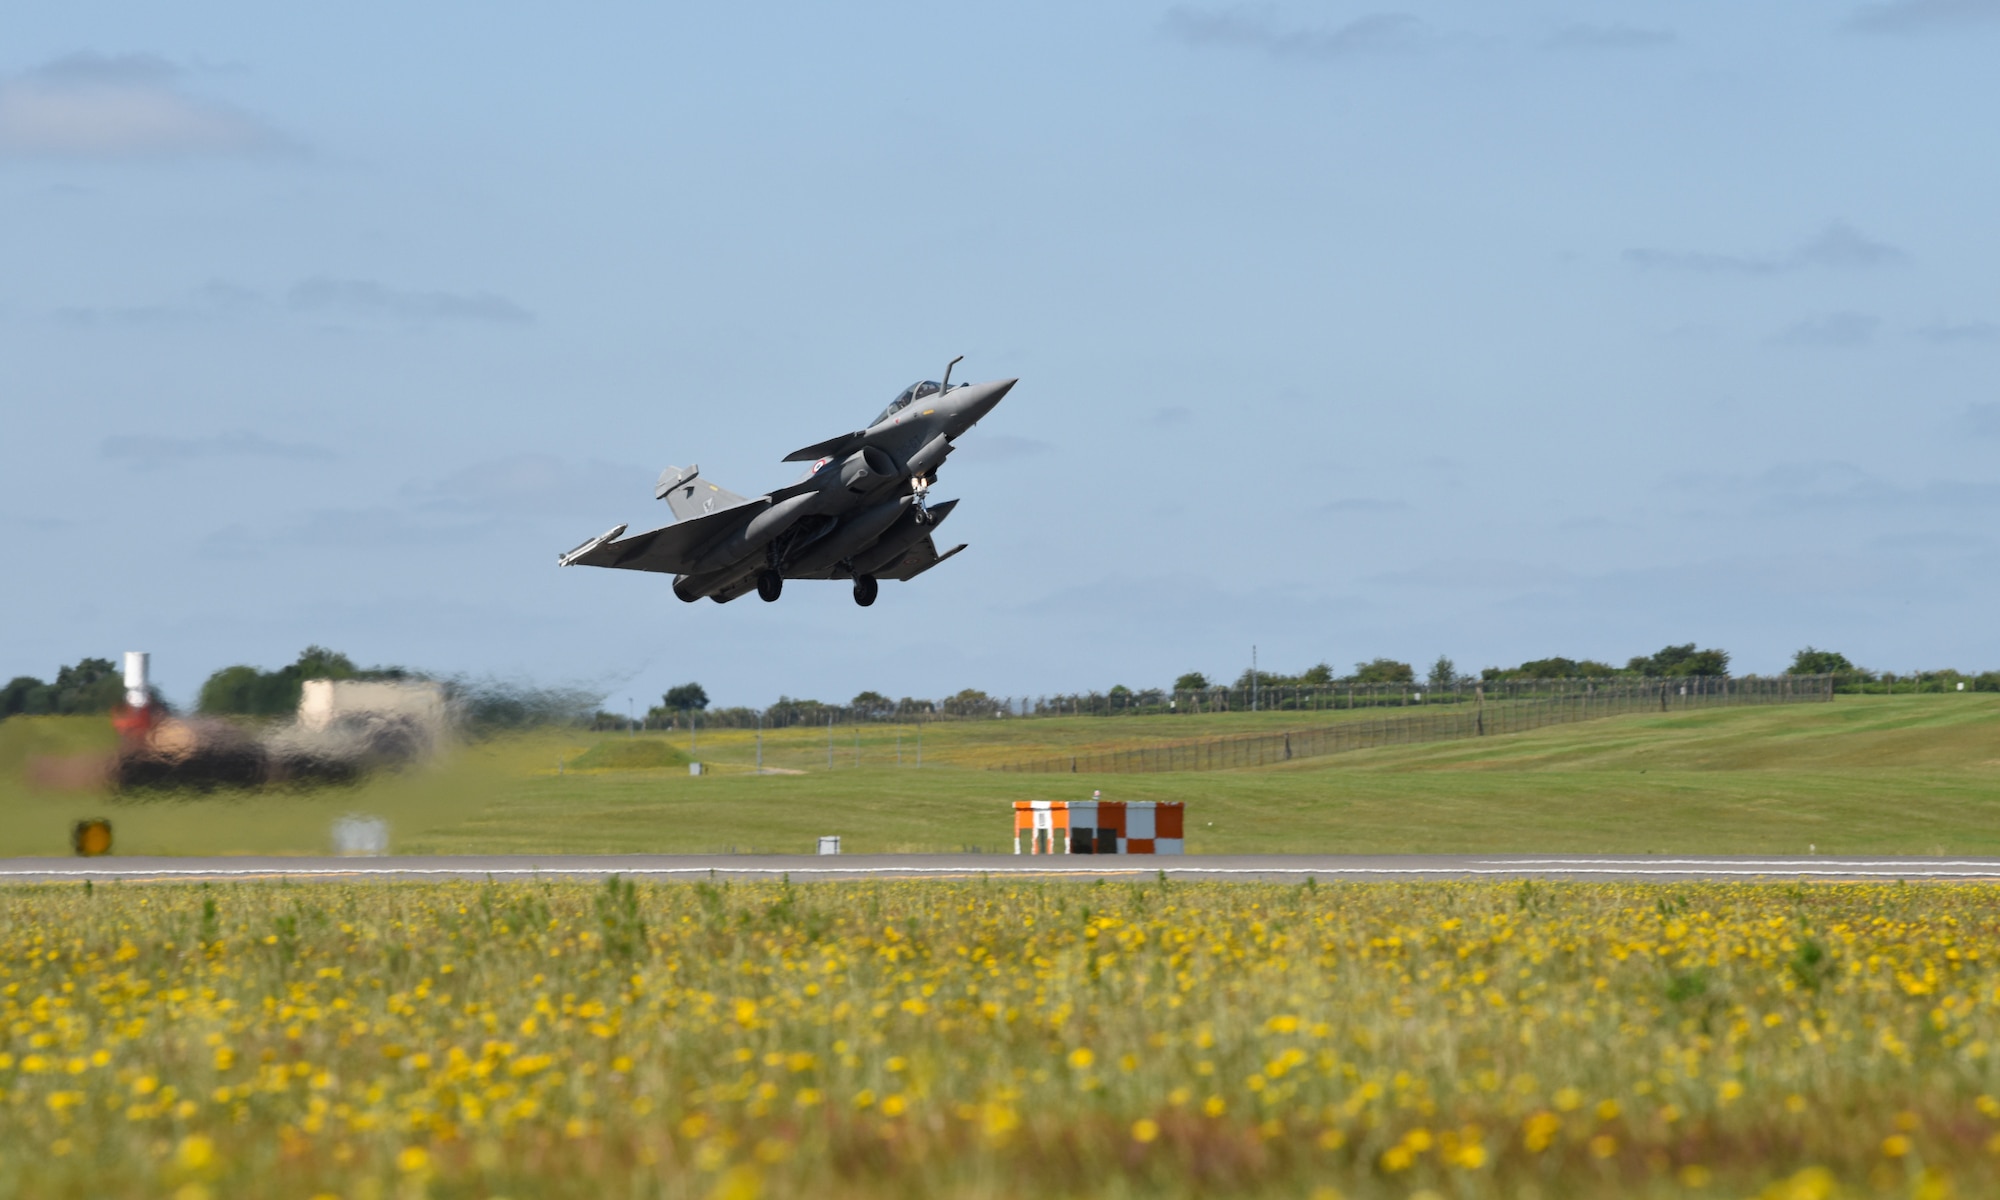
x=631 y=722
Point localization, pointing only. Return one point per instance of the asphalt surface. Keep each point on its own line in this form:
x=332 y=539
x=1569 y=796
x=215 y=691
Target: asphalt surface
x=1292 y=868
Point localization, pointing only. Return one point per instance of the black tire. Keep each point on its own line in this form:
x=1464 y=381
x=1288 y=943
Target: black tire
x=865 y=589
x=770 y=585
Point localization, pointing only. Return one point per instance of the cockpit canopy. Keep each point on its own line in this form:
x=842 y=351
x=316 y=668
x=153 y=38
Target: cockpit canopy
x=911 y=394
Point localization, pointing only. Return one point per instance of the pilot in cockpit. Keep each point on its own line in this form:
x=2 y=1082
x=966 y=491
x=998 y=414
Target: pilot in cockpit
x=911 y=394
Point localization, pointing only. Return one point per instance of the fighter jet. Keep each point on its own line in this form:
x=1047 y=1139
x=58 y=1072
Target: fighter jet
x=860 y=511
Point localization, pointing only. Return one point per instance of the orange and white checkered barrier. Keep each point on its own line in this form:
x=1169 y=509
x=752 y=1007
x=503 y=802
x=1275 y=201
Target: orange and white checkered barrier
x=1100 y=826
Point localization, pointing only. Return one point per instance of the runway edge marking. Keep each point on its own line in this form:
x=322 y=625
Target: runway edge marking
x=1714 y=870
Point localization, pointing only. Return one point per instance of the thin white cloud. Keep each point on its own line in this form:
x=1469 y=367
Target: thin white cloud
x=1952 y=333
x=1839 y=246
x=1257 y=28
x=372 y=530
x=1359 y=505
x=496 y=498
x=121 y=107
x=1486 y=573
x=318 y=296
x=1836 y=329
x=1584 y=36
x=1981 y=420
x=1930 y=539
x=530 y=485
x=365 y=297
x=1923 y=16
x=36 y=522
x=1819 y=487
x=154 y=450
x=212 y=300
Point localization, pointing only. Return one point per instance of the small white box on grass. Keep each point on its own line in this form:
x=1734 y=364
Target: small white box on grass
x=694 y=768
x=829 y=845
x=358 y=834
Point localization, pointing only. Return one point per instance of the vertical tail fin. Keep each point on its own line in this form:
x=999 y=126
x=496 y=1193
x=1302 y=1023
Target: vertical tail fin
x=690 y=496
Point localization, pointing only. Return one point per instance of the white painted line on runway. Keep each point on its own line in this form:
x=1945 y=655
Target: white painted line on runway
x=1991 y=872
x=589 y=871
x=1717 y=870
x=473 y=872
x=1990 y=864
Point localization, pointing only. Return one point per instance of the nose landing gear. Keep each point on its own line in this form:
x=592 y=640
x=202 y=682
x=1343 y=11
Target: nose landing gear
x=865 y=588
x=769 y=585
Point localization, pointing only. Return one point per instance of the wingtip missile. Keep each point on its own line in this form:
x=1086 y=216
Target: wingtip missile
x=570 y=558
x=860 y=511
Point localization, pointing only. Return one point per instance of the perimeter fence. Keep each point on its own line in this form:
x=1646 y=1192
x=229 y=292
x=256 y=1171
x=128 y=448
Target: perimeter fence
x=1516 y=706
x=1164 y=703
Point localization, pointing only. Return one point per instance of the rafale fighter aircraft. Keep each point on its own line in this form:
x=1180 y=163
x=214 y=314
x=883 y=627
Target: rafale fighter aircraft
x=858 y=512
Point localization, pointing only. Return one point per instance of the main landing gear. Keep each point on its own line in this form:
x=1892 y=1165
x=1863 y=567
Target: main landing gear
x=865 y=588
x=769 y=585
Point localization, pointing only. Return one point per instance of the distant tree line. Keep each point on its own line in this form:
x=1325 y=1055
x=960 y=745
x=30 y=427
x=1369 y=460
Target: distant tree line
x=1673 y=661
x=244 y=691
x=1669 y=662
x=1849 y=678
x=96 y=685
x=480 y=705
x=681 y=704
x=1194 y=691
x=93 y=685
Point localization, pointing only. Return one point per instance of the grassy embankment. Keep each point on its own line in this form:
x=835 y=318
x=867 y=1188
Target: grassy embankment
x=1902 y=775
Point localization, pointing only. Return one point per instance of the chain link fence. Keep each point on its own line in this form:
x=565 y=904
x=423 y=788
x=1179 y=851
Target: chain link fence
x=1510 y=706
x=787 y=713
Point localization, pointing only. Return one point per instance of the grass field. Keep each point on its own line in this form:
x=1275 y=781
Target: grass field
x=1903 y=775
x=985 y=1040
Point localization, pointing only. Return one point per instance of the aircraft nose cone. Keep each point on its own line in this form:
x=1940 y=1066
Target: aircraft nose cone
x=980 y=398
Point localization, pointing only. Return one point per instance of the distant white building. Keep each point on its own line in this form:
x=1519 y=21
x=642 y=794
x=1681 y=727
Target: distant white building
x=326 y=703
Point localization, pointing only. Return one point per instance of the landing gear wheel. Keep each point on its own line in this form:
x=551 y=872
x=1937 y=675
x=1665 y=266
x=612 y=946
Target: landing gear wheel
x=865 y=588
x=769 y=585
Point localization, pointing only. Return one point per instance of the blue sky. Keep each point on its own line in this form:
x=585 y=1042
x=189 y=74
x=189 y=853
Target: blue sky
x=1343 y=331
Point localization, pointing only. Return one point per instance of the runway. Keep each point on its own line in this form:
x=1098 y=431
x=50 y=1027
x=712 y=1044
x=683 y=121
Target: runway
x=1272 y=868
